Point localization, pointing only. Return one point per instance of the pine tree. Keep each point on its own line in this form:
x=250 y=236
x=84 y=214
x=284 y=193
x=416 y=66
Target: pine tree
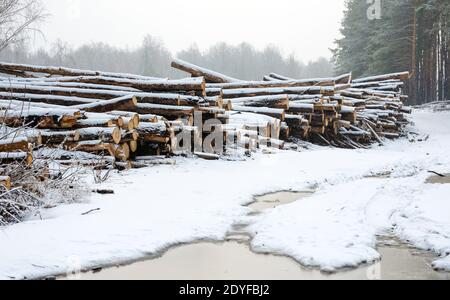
x=412 y=35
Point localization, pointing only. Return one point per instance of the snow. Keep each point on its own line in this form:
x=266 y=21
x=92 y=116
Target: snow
x=337 y=227
x=383 y=77
x=269 y=84
x=274 y=98
x=17 y=139
x=161 y=82
x=12 y=155
x=204 y=71
x=276 y=93
x=73 y=85
x=27 y=111
x=49 y=89
x=77 y=71
x=159 y=207
x=258 y=110
x=27 y=96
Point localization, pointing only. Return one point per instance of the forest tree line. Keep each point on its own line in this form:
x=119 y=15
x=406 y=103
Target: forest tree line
x=411 y=35
x=20 y=18
x=152 y=58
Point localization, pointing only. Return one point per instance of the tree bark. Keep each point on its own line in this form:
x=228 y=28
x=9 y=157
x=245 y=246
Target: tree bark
x=196 y=71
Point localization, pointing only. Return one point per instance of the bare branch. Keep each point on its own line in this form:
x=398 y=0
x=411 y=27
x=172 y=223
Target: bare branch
x=17 y=18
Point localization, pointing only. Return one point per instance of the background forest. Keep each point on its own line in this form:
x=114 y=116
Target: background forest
x=153 y=58
x=410 y=35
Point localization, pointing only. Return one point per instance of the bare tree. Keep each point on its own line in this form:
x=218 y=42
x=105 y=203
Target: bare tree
x=152 y=58
x=17 y=17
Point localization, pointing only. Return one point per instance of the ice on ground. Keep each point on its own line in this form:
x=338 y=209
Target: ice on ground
x=155 y=208
x=337 y=227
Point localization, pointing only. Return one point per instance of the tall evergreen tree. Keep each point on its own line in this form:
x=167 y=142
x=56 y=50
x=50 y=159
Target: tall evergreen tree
x=411 y=35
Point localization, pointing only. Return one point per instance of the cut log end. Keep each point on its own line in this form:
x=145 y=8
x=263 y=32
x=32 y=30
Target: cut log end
x=5 y=181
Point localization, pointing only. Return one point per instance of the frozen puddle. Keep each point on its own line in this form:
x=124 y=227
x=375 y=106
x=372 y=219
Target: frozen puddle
x=234 y=260
x=272 y=200
x=436 y=179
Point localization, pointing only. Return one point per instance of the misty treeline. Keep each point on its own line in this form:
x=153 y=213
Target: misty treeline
x=152 y=58
x=19 y=17
x=411 y=35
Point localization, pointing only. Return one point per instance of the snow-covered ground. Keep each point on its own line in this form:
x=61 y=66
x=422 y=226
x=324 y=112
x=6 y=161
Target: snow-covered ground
x=155 y=208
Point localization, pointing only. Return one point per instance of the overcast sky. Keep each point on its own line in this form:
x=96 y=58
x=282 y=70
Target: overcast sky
x=304 y=27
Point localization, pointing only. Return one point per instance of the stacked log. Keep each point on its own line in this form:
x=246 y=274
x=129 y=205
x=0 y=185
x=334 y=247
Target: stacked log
x=106 y=114
x=357 y=113
x=277 y=107
x=125 y=116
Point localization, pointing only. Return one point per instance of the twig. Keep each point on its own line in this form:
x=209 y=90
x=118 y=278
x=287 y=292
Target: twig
x=91 y=211
x=103 y=192
x=438 y=174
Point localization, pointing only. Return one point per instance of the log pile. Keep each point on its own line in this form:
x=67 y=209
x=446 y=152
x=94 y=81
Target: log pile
x=336 y=111
x=358 y=113
x=115 y=117
x=123 y=118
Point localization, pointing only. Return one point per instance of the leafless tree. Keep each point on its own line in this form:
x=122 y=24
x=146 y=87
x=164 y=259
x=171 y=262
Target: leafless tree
x=18 y=17
x=152 y=58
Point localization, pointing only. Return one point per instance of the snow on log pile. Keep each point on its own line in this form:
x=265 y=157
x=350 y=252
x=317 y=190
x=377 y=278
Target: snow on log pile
x=358 y=113
x=120 y=117
x=115 y=117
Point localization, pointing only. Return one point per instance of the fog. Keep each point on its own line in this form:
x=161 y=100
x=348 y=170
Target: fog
x=304 y=28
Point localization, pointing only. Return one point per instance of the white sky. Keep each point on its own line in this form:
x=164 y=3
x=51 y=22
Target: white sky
x=306 y=28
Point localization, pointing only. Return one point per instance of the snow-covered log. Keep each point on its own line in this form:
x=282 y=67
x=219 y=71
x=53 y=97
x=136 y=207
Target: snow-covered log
x=122 y=103
x=59 y=137
x=33 y=136
x=105 y=134
x=192 y=84
x=49 y=99
x=151 y=118
x=9 y=67
x=268 y=78
x=207 y=156
x=403 y=76
x=169 y=111
x=196 y=71
x=155 y=132
x=344 y=79
x=91 y=146
x=210 y=92
x=187 y=100
x=5 y=181
x=272 y=112
x=129 y=136
x=134 y=117
x=39 y=118
x=98 y=94
x=280 y=77
x=8 y=157
x=97 y=122
x=15 y=144
x=53 y=82
x=216 y=101
x=300 y=108
x=252 y=92
x=273 y=84
x=271 y=101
